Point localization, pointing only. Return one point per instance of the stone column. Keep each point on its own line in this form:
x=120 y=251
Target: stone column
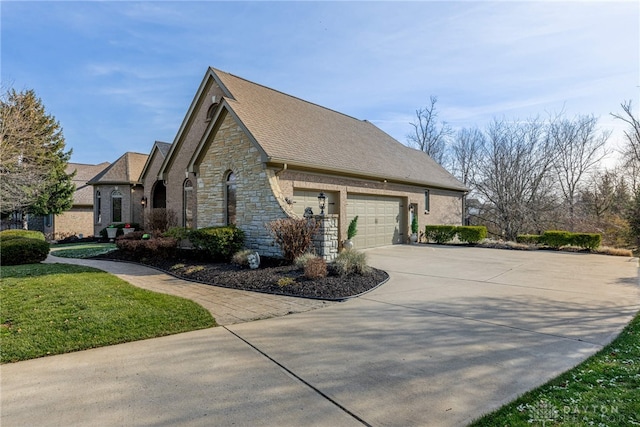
x=325 y=241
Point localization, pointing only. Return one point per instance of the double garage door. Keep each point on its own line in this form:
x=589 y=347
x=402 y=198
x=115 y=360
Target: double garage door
x=380 y=220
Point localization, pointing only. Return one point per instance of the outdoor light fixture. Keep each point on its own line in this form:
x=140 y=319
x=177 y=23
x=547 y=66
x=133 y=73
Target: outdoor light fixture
x=322 y=201
x=143 y=202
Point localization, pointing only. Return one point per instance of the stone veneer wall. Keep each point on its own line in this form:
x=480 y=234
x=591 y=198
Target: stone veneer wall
x=325 y=241
x=231 y=150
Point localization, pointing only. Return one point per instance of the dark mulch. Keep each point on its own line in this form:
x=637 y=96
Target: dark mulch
x=265 y=278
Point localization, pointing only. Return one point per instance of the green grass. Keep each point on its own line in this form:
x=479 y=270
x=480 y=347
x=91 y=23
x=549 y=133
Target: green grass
x=58 y=308
x=604 y=390
x=82 y=250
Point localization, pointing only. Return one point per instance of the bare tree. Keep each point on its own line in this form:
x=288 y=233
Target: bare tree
x=429 y=134
x=632 y=134
x=513 y=174
x=579 y=148
x=465 y=151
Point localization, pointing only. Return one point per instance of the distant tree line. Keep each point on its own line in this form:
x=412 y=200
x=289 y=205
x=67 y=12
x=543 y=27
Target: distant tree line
x=528 y=176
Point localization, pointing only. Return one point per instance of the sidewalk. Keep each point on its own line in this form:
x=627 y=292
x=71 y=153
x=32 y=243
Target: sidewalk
x=228 y=306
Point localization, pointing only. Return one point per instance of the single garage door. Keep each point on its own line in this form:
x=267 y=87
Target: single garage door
x=380 y=220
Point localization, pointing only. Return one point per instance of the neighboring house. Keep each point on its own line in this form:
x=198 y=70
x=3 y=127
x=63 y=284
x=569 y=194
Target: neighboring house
x=117 y=192
x=246 y=154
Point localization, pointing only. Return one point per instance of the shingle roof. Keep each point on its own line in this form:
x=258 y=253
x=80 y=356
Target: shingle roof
x=163 y=148
x=125 y=170
x=291 y=130
x=83 y=196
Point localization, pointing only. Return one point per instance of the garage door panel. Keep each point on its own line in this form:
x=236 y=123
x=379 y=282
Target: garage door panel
x=379 y=219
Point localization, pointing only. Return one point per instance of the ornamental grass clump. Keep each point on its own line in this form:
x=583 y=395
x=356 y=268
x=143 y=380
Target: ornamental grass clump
x=351 y=262
x=301 y=261
x=315 y=268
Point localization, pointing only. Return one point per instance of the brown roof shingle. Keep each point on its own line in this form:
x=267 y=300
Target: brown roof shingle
x=125 y=170
x=83 y=195
x=291 y=130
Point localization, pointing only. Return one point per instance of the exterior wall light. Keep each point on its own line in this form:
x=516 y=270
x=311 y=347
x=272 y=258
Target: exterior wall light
x=143 y=202
x=322 y=202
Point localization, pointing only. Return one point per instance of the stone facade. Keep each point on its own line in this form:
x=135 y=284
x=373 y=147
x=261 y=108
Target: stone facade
x=231 y=151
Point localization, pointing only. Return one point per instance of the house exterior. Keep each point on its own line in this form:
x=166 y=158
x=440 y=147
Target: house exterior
x=246 y=154
x=117 y=192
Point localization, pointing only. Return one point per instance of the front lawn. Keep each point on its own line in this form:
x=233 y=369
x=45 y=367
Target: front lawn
x=58 y=308
x=82 y=250
x=604 y=390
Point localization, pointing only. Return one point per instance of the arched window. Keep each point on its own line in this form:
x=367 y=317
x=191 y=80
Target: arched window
x=116 y=206
x=98 y=213
x=187 y=204
x=230 y=198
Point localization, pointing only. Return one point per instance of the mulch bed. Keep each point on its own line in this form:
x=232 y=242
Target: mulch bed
x=265 y=278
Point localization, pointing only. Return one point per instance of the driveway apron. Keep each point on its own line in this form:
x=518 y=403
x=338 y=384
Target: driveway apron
x=455 y=333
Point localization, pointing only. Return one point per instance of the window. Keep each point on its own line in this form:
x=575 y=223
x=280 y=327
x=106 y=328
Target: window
x=426 y=201
x=98 y=213
x=116 y=206
x=187 y=201
x=230 y=198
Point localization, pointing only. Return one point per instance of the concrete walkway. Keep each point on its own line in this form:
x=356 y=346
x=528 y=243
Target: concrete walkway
x=455 y=333
x=228 y=306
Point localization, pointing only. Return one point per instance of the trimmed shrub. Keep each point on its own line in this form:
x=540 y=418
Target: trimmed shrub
x=471 y=233
x=316 y=268
x=440 y=233
x=585 y=240
x=218 y=243
x=301 y=261
x=293 y=236
x=555 y=238
x=120 y=227
x=21 y=234
x=351 y=262
x=178 y=233
x=352 y=230
x=530 y=239
x=21 y=250
x=137 y=249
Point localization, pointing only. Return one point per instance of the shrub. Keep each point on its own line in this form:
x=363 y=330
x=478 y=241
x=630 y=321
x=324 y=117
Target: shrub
x=159 y=247
x=26 y=234
x=530 y=239
x=159 y=220
x=241 y=258
x=471 y=234
x=351 y=262
x=285 y=281
x=316 y=268
x=178 y=233
x=414 y=224
x=352 y=230
x=555 y=238
x=585 y=240
x=440 y=233
x=22 y=250
x=301 y=260
x=136 y=235
x=293 y=236
x=219 y=243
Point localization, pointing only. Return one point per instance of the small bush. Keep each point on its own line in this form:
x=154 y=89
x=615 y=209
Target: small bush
x=585 y=240
x=136 y=235
x=159 y=220
x=440 y=233
x=301 y=261
x=530 y=239
x=316 y=268
x=21 y=250
x=352 y=230
x=219 y=243
x=19 y=234
x=471 y=234
x=159 y=247
x=178 y=233
x=286 y=281
x=351 y=262
x=293 y=236
x=241 y=258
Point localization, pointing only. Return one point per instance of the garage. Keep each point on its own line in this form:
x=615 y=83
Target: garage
x=380 y=219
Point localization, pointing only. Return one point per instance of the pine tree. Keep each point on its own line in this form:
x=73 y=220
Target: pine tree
x=32 y=158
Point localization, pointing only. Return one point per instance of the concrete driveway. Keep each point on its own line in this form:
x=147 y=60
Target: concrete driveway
x=455 y=333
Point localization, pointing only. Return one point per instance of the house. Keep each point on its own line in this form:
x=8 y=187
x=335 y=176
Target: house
x=246 y=154
x=78 y=220
x=117 y=192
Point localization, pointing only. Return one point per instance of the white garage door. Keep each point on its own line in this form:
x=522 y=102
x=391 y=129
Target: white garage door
x=380 y=220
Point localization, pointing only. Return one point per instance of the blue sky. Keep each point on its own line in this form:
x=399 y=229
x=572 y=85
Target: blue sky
x=119 y=75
